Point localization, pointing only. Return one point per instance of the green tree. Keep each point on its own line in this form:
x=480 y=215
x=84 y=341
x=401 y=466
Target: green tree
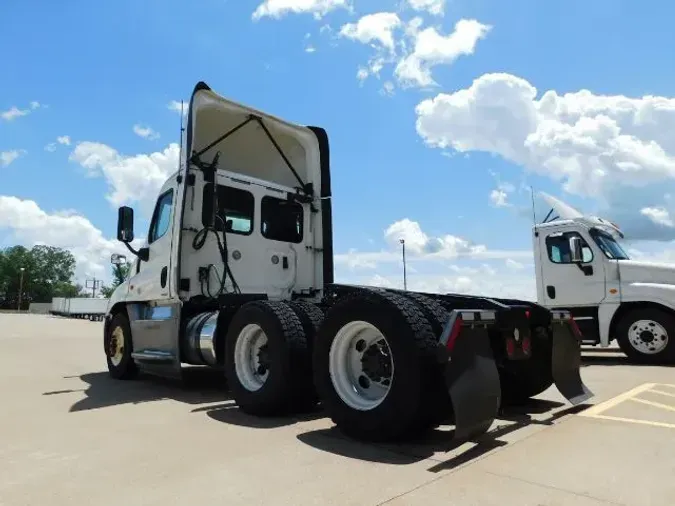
x=120 y=273
x=47 y=273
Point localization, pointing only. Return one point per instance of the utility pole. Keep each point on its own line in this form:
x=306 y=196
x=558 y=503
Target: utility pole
x=20 y=288
x=405 y=278
x=95 y=283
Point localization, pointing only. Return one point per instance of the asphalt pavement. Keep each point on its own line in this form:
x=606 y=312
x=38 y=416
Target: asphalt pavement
x=71 y=435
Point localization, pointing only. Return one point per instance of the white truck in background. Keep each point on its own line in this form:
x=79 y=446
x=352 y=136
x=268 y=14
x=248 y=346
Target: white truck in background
x=581 y=267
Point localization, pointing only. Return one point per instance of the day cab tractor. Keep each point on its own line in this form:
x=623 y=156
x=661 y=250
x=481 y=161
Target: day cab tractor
x=582 y=268
x=236 y=273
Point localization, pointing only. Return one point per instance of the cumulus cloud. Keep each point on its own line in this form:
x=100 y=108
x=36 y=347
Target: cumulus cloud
x=435 y=7
x=63 y=139
x=7 y=157
x=14 y=112
x=130 y=178
x=413 y=51
x=145 y=132
x=29 y=225
x=658 y=215
x=279 y=8
x=432 y=48
x=175 y=106
x=614 y=149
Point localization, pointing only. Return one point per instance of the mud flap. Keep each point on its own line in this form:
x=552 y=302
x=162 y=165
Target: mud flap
x=566 y=359
x=471 y=374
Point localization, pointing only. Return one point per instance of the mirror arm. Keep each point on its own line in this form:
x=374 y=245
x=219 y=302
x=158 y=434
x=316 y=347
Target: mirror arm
x=129 y=247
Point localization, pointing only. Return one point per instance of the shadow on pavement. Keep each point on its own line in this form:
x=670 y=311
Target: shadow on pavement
x=199 y=386
x=229 y=413
x=607 y=359
x=439 y=440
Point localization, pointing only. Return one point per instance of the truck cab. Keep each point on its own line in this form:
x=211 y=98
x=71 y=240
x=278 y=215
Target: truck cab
x=581 y=266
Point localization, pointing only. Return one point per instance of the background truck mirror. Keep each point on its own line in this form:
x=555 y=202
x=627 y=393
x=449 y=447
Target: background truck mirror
x=575 y=250
x=125 y=224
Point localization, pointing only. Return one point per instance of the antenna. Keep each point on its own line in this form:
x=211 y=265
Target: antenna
x=534 y=214
x=182 y=129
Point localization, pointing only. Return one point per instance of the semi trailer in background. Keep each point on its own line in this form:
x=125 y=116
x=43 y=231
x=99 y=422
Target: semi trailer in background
x=88 y=308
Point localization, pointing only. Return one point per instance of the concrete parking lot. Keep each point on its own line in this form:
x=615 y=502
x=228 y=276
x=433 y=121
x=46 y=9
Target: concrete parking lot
x=69 y=435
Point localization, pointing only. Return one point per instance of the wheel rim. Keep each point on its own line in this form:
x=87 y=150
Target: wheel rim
x=648 y=337
x=116 y=348
x=251 y=361
x=361 y=366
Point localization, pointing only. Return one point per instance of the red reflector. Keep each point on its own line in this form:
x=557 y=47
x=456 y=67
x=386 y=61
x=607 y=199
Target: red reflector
x=527 y=314
x=454 y=333
x=510 y=347
x=526 y=345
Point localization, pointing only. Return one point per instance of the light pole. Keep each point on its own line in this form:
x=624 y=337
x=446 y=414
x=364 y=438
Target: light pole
x=405 y=278
x=20 y=288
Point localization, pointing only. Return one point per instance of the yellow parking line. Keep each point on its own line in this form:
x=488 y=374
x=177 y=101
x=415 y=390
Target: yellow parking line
x=604 y=406
x=632 y=420
x=662 y=393
x=652 y=403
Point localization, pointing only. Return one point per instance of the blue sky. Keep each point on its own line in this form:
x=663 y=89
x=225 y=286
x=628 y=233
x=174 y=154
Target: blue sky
x=96 y=69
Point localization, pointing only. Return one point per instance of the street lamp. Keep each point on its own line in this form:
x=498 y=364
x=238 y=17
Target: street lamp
x=405 y=278
x=20 y=288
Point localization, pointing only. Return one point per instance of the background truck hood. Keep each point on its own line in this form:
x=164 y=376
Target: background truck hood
x=633 y=271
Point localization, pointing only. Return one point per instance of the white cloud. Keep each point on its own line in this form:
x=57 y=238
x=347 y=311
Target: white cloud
x=615 y=149
x=145 y=132
x=498 y=198
x=432 y=48
x=435 y=7
x=279 y=8
x=417 y=50
x=30 y=225
x=175 y=106
x=658 y=215
x=310 y=49
x=14 y=112
x=63 y=139
x=7 y=157
x=51 y=147
x=375 y=28
x=513 y=265
x=130 y=178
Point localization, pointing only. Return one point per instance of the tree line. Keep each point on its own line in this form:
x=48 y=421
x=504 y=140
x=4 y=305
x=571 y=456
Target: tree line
x=48 y=272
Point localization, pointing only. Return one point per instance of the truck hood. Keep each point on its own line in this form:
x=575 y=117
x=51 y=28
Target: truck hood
x=633 y=271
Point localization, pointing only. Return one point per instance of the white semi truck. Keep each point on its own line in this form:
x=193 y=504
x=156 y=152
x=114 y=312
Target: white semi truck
x=89 y=308
x=237 y=274
x=581 y=267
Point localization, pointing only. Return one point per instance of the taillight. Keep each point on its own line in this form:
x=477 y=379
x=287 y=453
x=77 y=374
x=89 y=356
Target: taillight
x=527 y=314
x=510 y=347
x=575 y=327
x=527 y=345
x=454 y=333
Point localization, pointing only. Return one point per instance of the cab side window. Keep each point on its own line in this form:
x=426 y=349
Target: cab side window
x=161 y=218
x=558 y=248
x=235 y=209
x=281 y=220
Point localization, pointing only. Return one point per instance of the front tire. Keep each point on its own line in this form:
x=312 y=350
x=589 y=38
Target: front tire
x=118 y=347
x=647 y=336
x=373 y=363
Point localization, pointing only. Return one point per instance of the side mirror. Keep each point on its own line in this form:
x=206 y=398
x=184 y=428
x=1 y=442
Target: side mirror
x=576 y=253
x=125 y=224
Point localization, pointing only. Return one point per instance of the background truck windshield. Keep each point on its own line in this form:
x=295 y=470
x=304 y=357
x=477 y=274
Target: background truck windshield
x=608 y=245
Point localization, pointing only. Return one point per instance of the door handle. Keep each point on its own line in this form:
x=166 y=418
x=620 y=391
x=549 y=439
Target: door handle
x=162 y=276
x=284 y=262
x=550 y=290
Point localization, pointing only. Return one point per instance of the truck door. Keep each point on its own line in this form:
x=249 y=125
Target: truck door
x=151 y=280
x=564 y=283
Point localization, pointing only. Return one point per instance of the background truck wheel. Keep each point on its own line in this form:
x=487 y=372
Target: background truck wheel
x=372 y=361
x=267 y=362
x=439 y=404
x=647 y=336
x=523 y=379
x=118 y=348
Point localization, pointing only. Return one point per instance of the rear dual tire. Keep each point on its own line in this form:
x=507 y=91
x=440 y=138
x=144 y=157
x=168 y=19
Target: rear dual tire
x=373 y=365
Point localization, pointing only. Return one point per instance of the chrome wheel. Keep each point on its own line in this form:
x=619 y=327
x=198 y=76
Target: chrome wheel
x=648 y=337
x=360 y=365
x=116 y=347
x=251 y=359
